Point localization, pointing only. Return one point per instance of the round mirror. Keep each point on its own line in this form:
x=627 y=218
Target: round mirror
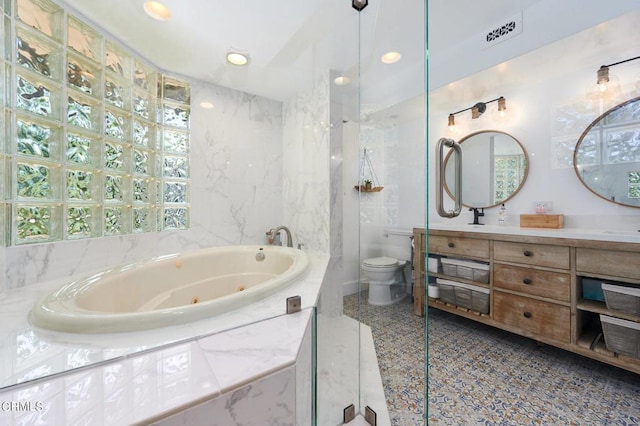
x=607 y=155
x=494 y=168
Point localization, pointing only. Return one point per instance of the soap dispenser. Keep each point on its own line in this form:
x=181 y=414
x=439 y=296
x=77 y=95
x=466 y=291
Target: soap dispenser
x=502 y=215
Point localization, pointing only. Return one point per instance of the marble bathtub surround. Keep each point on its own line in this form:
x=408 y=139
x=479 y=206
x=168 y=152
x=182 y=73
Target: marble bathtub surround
x=206 y=372
x=29 y=354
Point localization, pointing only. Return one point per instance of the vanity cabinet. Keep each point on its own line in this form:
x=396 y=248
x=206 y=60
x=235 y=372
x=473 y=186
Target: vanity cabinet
x=533 y=317
x=536 y=285
x=531 y=284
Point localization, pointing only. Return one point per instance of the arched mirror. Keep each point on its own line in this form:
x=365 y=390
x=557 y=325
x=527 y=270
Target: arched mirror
x=607 y=155
x=494 y=168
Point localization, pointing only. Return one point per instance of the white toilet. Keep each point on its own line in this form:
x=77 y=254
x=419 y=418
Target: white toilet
x=387 y=283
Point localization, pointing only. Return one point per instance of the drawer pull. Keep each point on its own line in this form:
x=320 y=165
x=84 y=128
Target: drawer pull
x=527 y=253
x=451 y=245
x=527 y=314
x=527 y=281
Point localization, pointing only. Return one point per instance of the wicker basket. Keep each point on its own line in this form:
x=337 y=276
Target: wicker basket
x=621 y=336
x=467 y=269
x=624 y=299
x=464 y=295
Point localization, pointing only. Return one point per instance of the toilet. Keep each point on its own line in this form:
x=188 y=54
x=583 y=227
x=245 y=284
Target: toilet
x=387 y=283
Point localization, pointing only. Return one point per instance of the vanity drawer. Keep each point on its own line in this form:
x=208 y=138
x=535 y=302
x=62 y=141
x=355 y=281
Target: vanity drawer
x=552 y=285
x=624 y=264
x=533 y=316
x=532 y=254
x=459 y=246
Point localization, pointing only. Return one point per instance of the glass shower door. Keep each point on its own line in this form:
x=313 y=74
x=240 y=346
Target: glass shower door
x=390 y=156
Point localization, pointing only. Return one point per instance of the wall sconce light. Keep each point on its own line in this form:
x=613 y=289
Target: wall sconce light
x=603 y=73
x=478 y=109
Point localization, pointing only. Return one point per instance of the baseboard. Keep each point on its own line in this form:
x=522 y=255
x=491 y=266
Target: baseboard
x=352 y=287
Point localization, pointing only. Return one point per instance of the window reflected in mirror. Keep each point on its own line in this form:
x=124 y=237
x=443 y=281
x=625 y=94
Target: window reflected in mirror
x=494 y=168
x=607 y=155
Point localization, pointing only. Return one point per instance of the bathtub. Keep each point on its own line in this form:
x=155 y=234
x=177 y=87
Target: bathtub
x=169 y=290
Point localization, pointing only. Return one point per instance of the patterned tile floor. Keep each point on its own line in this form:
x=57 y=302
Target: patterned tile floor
x=481 y=375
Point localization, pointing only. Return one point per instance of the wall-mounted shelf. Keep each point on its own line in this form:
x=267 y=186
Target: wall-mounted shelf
x=368 y=176
x=363 y=188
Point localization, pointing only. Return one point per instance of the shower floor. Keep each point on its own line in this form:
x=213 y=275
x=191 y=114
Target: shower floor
x=480 y=374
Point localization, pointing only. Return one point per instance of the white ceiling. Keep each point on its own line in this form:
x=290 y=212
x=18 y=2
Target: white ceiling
x=291 y=40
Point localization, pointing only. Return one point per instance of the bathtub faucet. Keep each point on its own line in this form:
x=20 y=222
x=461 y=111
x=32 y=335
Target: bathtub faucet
x=274 y=231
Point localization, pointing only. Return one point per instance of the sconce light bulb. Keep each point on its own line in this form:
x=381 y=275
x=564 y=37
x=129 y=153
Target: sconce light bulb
x=452 y=122
x=603 y=78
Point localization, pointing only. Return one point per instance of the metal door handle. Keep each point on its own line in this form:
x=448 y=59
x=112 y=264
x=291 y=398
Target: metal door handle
x=450 y=143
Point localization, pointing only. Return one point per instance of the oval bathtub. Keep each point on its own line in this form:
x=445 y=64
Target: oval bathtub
x=168 y=290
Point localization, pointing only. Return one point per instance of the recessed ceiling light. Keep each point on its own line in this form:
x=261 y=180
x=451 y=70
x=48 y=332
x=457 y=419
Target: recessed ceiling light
x=391 y=57
x=157 y=10
x=237 y=58
x=342 y=80
x=206 y=105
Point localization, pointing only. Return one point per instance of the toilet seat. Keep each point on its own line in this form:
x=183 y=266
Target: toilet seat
x=380 y=262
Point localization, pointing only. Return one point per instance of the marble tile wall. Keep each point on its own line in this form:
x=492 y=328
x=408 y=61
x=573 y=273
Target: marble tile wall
x=306 y=176
x=236 y=187
x=268 y=401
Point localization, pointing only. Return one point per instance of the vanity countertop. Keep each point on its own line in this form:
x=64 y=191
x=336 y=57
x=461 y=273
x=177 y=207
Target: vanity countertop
x=621 y=236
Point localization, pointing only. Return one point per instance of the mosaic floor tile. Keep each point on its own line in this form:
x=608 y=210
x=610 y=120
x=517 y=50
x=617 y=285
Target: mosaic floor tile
x=482 y=375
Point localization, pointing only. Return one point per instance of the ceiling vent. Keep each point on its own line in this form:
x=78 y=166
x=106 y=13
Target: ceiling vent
x=509 y=28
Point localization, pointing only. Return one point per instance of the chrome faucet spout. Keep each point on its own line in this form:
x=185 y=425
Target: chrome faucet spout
x=274 y=231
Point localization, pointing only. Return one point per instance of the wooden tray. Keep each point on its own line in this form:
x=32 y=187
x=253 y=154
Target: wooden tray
x=541 y=221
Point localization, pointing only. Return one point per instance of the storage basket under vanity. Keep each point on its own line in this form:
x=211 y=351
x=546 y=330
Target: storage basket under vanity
x=621 y=298
x=620 y=335
x=464 y=295
x=466 y=269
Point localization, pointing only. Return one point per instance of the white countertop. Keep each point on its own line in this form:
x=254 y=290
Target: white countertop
x=629 y=236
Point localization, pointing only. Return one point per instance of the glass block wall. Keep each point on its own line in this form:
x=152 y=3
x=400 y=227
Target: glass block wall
x=95 y=141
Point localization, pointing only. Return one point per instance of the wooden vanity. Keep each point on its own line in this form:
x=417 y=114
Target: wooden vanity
x=536 y=284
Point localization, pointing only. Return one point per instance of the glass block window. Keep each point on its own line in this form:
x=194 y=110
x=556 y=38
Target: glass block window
x=508 y=173
x=634 y=184
x=95 y=141
x=174 y=115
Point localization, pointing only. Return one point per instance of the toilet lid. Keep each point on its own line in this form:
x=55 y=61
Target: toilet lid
x=381 y=261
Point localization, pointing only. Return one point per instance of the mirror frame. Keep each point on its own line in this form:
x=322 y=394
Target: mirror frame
x=581 y=139
x=524 y=177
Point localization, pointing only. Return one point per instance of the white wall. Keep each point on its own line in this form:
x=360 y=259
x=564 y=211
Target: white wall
x=394 y=139
x=551 y=98
x=543 y=22
x=546 y=93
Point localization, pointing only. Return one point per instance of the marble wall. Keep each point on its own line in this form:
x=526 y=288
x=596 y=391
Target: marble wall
x=312 y=179
x=305 y=161
x=235 y=194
